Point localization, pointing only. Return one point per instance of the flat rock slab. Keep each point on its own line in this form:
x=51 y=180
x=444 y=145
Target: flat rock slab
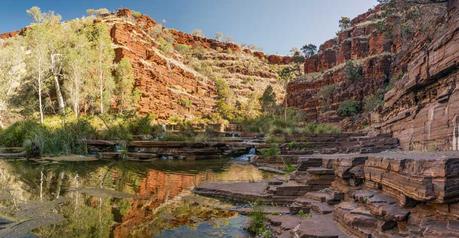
x=422 y=176
x=271 y=170
x=315 y=226
x=240 y=191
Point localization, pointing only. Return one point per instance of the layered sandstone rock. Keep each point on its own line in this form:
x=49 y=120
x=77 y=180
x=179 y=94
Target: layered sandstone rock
x=419 y=176
x=422 y=110
x=175 y=84
x=364 y=44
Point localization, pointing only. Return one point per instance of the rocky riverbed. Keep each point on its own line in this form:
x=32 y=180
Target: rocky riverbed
x=388 y=194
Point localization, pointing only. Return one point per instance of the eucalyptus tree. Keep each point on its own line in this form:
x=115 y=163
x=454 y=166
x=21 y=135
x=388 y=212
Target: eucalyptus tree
x=102 y=57
x=125 y=86
x=39 y=38
x=12 y=71
x=76 y=65
x=286 y=75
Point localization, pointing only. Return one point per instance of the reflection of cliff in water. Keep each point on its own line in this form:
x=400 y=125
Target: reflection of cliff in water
x=105 y=199
x=160 y=187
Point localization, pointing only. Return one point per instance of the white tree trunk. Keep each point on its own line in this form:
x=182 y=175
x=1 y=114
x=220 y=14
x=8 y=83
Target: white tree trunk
x=40 y=103
x=55 y=69
x=101 y=80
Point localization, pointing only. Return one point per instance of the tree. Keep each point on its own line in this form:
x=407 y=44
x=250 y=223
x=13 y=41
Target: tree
x=344 y=23
x=125 y=83
x=12 y=71
x=219 y=36
x=298 y=59
x=353 y=71
x=103 y=55
x=309 y=50
x=268 y=100
x=286 y=75
x=97 y=12
x=77 y=66
x=38 y=38
x=198 y=33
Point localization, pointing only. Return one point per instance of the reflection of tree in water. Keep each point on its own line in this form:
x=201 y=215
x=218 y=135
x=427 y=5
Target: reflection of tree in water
x=91 y=195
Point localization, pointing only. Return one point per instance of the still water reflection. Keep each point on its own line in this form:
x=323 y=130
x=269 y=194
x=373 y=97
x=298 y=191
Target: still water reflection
x=117 y=199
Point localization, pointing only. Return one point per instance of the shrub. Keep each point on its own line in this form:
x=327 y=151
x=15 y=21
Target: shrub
x=353 y=71
x=65 y=139
x=143 y=126
x=185 y=102
x=326 y=92
x=270 y=152
x=373 y=102
x=16 y=134
x=183 y=49
x=165 y=46
x=344 y=23
x=136 y=13
x=289 y=168
x=349 y=108
x=257 y=223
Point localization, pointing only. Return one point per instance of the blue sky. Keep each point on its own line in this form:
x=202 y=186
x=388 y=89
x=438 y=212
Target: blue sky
x=276 y=26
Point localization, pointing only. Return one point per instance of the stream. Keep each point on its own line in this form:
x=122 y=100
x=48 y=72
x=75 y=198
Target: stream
x=118 y=199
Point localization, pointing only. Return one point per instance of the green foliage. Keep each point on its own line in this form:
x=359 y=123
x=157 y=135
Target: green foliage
x=326 y=91
x=268 y=100
x=186 y=102
x=326 y=95
x=353 y=71
x=286 y=74
x=143 y=126
x=296 y=56
x=136 y=13
x=344 y=23
x=183 y=49
x=65 y=139
x=16 y=134
x=373 y=102
x=126 y=96
x=309 y=50
x=272 y=151
x=224 y=108
x=165 y=46
x=303 y=214
x=258 y=223
x=349 y=108
x=289 y=168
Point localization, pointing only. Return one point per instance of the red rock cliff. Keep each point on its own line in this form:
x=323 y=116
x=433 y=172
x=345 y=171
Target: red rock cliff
x=169 y=84
x=362 y=43
x=421 y=109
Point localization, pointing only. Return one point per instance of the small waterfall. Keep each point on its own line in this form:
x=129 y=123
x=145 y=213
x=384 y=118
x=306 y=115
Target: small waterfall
x=247 y=157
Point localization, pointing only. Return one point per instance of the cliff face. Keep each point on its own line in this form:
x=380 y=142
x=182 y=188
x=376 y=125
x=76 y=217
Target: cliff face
x=421 y=109
x=180 y=80
x=362 y=43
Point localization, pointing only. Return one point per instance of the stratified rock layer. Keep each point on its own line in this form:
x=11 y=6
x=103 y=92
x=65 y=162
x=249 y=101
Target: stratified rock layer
x=422 y=110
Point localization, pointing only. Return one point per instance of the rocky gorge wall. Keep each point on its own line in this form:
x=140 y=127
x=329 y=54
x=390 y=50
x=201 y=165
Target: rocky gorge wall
x=362 y=43
x=175 y=72
x=422 y=107
x=169 y=83
x=422 y=110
